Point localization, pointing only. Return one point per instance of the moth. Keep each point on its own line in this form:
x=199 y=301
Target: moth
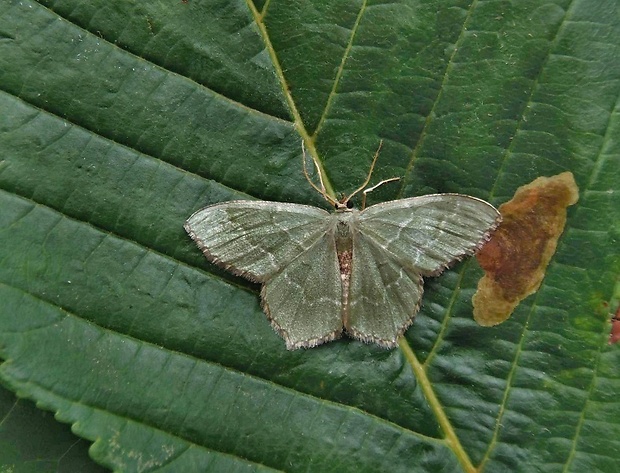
x=353 y=271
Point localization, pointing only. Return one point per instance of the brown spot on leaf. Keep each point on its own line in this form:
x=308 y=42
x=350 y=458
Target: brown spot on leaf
x=516 y=257
x=614 y=335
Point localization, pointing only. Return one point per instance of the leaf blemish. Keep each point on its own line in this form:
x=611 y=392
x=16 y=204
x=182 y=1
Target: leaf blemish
x=614 y=334
x=516 y=257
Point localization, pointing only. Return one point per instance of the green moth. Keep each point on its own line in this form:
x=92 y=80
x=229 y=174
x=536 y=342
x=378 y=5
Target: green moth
x=358 y=271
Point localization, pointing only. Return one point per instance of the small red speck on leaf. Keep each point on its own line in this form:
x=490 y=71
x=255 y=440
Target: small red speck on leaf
x=614 y=335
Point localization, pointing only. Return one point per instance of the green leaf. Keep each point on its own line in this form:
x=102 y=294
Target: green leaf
x=119 y=119
x=32 y=441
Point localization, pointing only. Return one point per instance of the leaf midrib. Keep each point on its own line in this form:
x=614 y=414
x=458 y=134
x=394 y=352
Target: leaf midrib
x=299 y=124
x=451 y=439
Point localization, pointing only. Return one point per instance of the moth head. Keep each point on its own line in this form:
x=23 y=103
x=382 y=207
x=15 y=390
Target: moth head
x=344 y=204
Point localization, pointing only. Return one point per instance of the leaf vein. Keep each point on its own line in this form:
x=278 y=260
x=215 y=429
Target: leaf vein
x=299 y=124
x=340 y=70
x=592 y=178
x=121 y=47
x=244 y=375
x=447 y=316
x=139 y=153
x=431 y=113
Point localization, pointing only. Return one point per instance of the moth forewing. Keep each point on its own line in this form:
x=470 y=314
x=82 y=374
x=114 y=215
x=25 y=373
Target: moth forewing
x=256 y=239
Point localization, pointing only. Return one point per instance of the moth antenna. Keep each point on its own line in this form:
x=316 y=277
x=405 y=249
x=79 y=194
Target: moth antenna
x=370 y=189
x=372 y=167
x=320 y=190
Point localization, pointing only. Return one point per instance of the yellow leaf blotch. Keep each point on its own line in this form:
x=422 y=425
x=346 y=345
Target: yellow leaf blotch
x=516 y=257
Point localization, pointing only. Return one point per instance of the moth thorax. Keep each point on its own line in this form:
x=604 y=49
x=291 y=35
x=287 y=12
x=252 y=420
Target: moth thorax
x=343 y=226
x=343 y=234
